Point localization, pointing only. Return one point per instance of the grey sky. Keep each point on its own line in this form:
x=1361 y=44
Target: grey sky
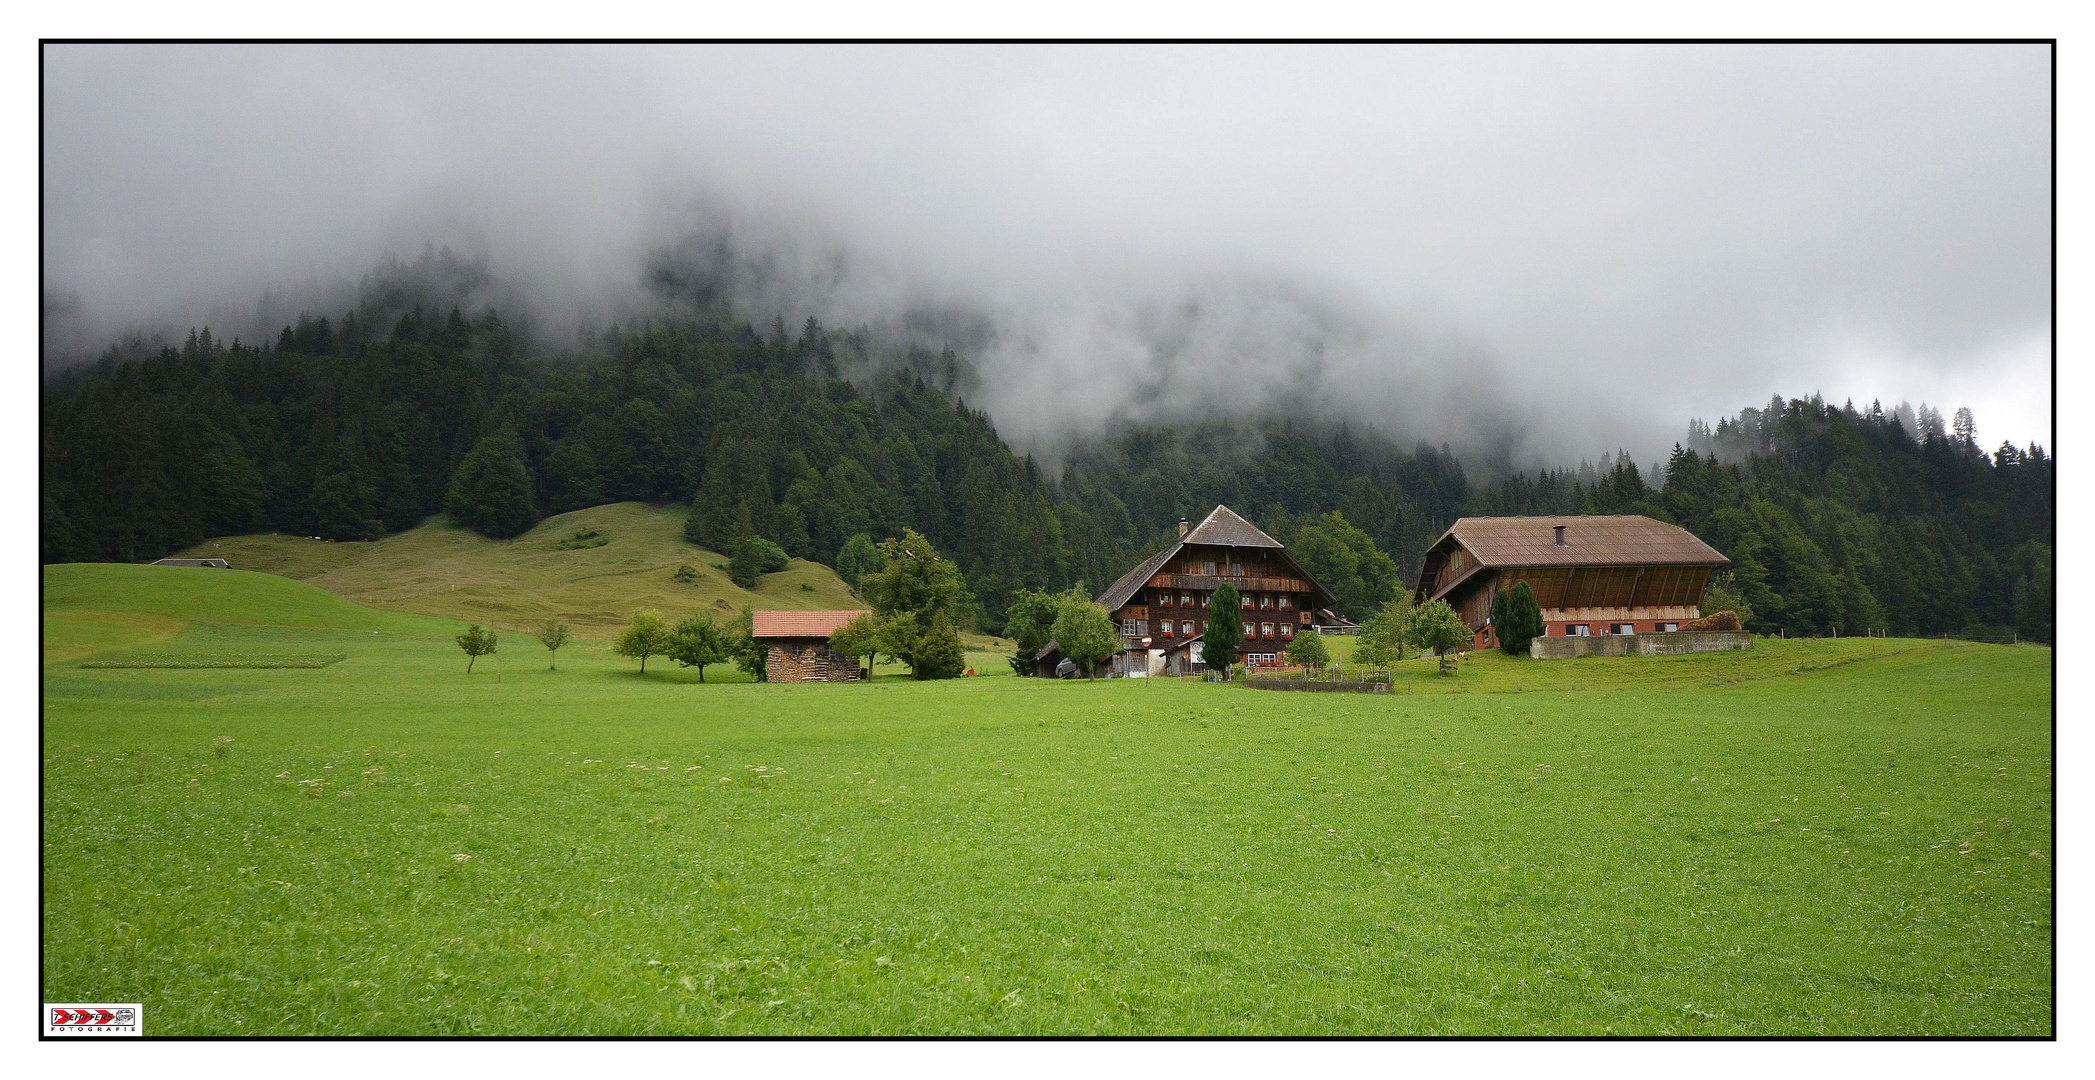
x=1587 y=244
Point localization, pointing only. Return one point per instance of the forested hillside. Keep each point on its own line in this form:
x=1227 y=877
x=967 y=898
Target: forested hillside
x=1838 y=519
x=1835 y=519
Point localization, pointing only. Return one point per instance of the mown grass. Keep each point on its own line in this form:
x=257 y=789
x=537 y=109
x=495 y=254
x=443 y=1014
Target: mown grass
x=1806 y=838
x=442 y=570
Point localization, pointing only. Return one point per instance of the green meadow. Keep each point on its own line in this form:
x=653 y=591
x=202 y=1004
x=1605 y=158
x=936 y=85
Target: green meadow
x=268 y=810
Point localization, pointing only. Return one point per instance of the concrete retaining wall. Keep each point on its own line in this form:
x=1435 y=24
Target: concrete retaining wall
x=1563 y=648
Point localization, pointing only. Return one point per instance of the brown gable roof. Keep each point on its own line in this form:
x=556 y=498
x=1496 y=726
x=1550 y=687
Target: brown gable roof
x=799 y=624
x=1222 y=528
x=1623 y=540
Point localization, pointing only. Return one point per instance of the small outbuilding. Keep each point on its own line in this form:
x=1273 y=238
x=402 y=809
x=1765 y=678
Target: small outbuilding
x=797 y=644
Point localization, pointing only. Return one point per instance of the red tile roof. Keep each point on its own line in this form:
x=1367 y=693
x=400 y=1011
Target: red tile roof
x=799 y=624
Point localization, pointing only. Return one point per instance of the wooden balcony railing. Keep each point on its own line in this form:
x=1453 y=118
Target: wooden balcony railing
x=1207 y=583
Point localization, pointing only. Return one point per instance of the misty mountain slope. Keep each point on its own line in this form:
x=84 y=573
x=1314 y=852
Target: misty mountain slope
x=1837 y=520
x=624 y=560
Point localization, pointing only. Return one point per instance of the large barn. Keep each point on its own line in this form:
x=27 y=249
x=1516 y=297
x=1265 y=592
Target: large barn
x=1592 y=575
x=1161 y=605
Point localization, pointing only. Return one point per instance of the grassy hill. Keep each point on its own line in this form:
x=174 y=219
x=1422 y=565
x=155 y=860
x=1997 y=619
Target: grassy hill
x=1844 y=837
x=591 y=567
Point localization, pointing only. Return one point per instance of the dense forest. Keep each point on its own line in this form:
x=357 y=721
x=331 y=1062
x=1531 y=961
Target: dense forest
x=1837 y=520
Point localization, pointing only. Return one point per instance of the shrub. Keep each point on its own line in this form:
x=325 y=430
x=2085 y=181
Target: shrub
x=752 y=558
x=685 y=574
x=1308 y=650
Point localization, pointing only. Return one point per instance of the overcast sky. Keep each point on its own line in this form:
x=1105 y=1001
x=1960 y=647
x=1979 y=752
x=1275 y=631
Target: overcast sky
x=1582 y=245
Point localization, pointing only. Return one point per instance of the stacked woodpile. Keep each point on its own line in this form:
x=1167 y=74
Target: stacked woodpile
x=809 y=662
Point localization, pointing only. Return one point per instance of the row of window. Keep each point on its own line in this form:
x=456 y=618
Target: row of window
x=1259 y=600
x=1586 y=629
x=1166 y=628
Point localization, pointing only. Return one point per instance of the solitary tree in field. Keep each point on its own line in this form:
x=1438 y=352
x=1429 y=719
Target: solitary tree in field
x=696 y=642
x=552 y=635
x=1516 y=618
x=1224 y=639
x=477 y=641
x=1435 y=627
x=1308 y=650
x=645 y=635
x=1086 y=632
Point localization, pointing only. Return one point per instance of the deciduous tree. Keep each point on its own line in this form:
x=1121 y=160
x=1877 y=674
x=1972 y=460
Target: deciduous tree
x=552 y=635
x=645 y=635
x=477 y=641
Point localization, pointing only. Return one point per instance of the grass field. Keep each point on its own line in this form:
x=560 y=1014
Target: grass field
x=1813 y=837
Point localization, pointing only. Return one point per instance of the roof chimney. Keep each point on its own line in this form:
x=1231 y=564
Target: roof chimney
x=1182 y=526
x=1560 y=537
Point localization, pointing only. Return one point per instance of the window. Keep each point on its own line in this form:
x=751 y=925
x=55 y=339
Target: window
x=1236 y=569
x=1287 y=630
x=1247 y=600
x=1127 y=626
x=1208 y=568
x=1250 y=630
x=1186 y=628
x=1165 y=627
x=1286 y=602
x=1265 y=600
x=1669 y=627
x=1578 y=630
x=1185 y=599
x=1163 y=599
x=1265 y=629
x=1623 y=628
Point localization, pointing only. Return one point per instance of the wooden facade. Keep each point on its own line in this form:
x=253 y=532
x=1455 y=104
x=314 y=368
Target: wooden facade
x=1161 y=606
x=1592 y=576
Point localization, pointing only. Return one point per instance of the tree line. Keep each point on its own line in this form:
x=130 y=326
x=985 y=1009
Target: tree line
x=814 y=444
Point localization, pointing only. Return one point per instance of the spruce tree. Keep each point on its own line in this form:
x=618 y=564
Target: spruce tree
x=1224 y=638
x=1516 y=618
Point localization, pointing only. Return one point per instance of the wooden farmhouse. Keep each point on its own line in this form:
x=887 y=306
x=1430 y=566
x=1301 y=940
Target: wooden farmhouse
x=798 y=646
x=1161 y=606
x=1592 y=575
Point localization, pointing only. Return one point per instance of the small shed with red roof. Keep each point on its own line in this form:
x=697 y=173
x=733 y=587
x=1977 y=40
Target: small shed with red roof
x=798 y=646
